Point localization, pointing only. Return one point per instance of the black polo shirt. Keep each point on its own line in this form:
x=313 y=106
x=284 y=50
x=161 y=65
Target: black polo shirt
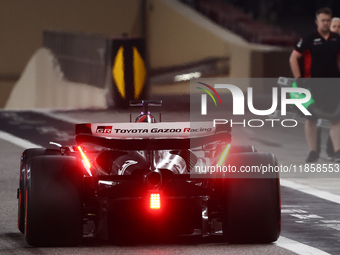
x=320 y=55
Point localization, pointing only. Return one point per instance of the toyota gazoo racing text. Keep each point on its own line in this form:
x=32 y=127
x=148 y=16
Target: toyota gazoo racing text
x=139 y=178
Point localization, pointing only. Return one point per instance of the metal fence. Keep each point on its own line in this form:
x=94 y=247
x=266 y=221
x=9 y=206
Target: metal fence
x=82 y=58
x=87 y=59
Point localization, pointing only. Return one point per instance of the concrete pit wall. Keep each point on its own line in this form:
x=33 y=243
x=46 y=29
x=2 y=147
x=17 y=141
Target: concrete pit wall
x=42 y=85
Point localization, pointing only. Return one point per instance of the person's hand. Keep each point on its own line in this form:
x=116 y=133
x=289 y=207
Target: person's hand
x=302 y=82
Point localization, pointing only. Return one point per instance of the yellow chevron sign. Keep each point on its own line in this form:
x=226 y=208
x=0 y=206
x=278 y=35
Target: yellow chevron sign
x=118 y=71
x=139 y=72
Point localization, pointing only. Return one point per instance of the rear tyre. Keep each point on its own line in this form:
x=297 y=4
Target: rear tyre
x=235 y=149
x=54 y=201
x=242 y=149
x=252 y=210
x=26 y=156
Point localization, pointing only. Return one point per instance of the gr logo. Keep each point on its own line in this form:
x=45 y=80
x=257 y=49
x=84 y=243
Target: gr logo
x=238 y=100
x=104 y=129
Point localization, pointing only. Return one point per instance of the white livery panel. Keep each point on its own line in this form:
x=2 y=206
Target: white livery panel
x=151 y=130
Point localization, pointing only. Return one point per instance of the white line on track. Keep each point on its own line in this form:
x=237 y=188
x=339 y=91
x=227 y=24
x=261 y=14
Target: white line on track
x=298 y=248
x=17 y=141
x=311 y=191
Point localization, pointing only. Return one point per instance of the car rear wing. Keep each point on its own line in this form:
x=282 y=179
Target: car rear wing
x=152 y=143
x=150 y=130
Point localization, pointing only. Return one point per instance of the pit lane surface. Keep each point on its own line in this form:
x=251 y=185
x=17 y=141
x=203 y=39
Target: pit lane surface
x=305 y=219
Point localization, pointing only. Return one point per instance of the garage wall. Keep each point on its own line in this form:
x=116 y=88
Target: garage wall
x=22 y=23
x=173 y=38
x=177 y=34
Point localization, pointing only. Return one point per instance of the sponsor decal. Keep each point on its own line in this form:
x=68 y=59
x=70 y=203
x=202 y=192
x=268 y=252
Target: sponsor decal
x=104 y=129
x=299 y=43
x=317 y=41
x=197 y=129
x=158 y=130
x=166 y=130
x=131 y=130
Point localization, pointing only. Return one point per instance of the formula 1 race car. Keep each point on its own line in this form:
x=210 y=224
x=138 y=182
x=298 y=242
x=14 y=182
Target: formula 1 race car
x=145 y=178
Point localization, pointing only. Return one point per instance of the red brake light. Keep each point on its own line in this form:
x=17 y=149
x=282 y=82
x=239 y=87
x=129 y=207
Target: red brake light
x=155 y=201
x=86 y=161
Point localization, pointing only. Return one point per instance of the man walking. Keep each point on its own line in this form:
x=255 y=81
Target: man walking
x=320 y=50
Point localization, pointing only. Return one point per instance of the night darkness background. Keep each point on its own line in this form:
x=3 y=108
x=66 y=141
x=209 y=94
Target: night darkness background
x=296 y=15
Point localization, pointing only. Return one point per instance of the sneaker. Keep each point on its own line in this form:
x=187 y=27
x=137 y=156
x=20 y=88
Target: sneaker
x=313 y=156
x=337 y=156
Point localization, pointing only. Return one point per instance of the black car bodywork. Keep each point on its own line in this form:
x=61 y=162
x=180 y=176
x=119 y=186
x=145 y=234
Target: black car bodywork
x=103 y=187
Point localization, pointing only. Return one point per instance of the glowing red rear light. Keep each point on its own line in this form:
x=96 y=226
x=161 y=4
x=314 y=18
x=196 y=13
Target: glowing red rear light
x=155 y=201
x=86 y=160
